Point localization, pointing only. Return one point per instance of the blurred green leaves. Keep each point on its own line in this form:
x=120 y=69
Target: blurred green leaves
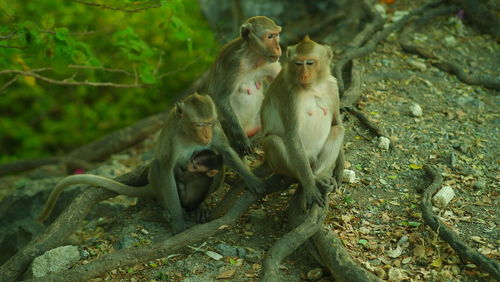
x=72 y=42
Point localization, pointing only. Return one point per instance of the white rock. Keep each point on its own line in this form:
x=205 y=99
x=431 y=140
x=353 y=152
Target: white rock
x=349 y=176
x=416 y=110
x=384 y=143
x=443 y=196
x=450 y=41
x=418 y=65
x=55 y=260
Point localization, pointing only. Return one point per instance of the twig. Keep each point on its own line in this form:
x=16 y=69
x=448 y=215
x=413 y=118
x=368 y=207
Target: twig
x=102 y=6
x=72 y=83
x=180 y=69
x=464 y=252
x=101 y=68
x=8 y=83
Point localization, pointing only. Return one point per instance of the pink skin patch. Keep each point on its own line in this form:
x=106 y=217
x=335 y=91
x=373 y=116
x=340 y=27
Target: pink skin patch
x=309 y=113
x=324 y=109
x=79 y=171
x=257 y=85
x=252 y=132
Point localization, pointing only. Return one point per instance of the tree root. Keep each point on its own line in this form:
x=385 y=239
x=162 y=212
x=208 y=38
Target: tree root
x=453 y=68
x=164 y=247
x=291 y=241
x=94 y=151
x=375 y=39
x=65 y=224
x=465 y=252
x=366 y=122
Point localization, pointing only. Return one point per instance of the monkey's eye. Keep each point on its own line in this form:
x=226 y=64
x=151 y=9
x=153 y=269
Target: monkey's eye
x=200 y=124
x=299 y=63
x=310 y=62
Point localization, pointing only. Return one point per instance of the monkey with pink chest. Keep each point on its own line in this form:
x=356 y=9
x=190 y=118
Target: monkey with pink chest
x=239 y=76
x=301 y=124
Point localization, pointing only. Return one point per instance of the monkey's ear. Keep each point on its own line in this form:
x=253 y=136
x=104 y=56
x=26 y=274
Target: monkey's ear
x=245 y=31
x=178 y=109
x=329 y=52
x=289 y=51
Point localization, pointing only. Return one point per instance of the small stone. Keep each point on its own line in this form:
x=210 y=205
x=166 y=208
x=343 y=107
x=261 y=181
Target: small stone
x=416 y=110
x=84 y=254
x=314 y=274
x=418 y=65
x=450 y=41
x=443 y=196
x=384 y=143
x=479 y=184
x=257 y=216
x=395 y=275
x=55 y=260
x=226 y=250
x=380 y=273
x=349 y=176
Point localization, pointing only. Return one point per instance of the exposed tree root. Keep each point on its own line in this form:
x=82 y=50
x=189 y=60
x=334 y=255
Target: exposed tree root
x=311 y=224
x=453 y=68
x=366 y=122
x=465 y=252
x=96 y=150
x=164 y=247
x=374 y=40
x=64 y=225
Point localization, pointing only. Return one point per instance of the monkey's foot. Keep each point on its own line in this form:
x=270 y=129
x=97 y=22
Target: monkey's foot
x=200 y=215
x=326 y=184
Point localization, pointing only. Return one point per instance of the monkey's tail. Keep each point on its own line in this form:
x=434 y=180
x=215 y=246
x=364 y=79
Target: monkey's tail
x=93 y=180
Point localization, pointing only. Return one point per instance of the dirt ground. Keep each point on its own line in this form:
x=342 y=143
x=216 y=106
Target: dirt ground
x=378 y=216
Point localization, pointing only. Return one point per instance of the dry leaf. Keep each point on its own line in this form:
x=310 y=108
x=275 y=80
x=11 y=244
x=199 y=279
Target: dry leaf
x=419 y=251
x=437 y=262
x=477 y=239
x=226 y=274
x=406 y=260
x=416 y=166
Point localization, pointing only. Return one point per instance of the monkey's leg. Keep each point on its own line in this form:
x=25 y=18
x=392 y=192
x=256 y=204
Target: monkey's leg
x=278 y=160
x=164 y=184
x=327 y=157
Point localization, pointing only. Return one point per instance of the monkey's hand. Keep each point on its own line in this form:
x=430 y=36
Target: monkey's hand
x=311 y=196
x=200 y=215
x=326 y=184
x=243 y=147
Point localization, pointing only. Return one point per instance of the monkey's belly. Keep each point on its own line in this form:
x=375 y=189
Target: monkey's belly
x=246 y=102
x=314 y=131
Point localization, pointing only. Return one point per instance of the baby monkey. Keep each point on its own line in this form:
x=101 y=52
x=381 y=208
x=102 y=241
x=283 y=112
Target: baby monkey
x=196 y=179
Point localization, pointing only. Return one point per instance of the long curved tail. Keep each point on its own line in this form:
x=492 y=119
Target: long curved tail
x=94 y=180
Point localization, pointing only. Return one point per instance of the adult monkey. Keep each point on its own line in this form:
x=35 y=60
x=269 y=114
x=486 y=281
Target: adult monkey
x=191 y=126
x=301 y=124
x=236 y=79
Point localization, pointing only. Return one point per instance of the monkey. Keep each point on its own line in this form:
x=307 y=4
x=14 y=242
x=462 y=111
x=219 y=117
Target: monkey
x=238 y=76
x=301 y=125
x=191 y=126
x=195 y=181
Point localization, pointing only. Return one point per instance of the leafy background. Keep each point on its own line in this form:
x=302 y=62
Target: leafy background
x=162 y=48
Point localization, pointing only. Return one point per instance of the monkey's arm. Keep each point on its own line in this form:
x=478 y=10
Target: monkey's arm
x=221 y=91
x=231 y=159
x=94 y=180
x=162 y=181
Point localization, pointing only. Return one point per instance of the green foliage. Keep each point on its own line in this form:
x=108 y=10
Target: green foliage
x=71 y=42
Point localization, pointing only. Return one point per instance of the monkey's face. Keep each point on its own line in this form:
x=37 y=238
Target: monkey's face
x=305 y=70
x=271 y=43
x=203 y=131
